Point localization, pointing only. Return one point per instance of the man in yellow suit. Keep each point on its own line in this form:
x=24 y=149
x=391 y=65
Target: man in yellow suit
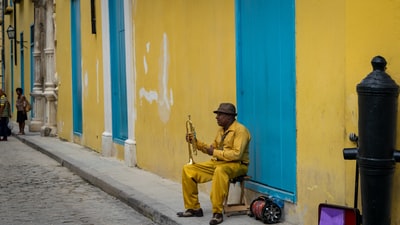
x=230 y=158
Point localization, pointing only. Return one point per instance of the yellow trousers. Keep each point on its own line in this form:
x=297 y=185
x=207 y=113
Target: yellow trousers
x=219 y=172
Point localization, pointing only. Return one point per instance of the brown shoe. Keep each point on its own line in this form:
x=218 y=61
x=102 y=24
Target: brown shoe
x=191 y=213
x=217 y=219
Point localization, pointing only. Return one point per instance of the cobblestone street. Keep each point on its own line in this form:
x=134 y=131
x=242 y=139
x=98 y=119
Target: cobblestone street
x=35 y=189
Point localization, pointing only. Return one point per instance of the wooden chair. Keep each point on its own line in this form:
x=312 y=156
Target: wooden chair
x=241 y=207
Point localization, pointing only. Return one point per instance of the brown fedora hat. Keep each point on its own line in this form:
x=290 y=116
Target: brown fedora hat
x=227 y=108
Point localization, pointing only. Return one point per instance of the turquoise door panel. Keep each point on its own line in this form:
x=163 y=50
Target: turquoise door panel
x=76 y=53
x=266 y=92
x=118 y=72
x=22 y=65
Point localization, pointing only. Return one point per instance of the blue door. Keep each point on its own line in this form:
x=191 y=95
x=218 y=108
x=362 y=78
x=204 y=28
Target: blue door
x=266 y=92
x=118 y=71
x=12 y=63
x=22 y=65
x=76 y=66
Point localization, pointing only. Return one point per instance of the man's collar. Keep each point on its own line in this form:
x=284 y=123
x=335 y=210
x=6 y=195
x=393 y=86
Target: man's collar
x=232 y=126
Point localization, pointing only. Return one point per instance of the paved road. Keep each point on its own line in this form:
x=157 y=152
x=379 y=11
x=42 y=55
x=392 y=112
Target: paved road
x=35 y=189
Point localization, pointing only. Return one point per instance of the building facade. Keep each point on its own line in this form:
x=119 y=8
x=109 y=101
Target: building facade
x=121 y=78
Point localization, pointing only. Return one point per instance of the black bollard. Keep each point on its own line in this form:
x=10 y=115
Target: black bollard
x=377 y=103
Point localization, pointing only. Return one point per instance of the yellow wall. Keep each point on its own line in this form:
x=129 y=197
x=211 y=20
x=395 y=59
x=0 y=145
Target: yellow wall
x=371 y=31
x=92 y=76
x=185 y=55
x=184 y=63
x=25 y=18
x=320 y=50
x=335 y=43
x=64 y=70
x=8 y=64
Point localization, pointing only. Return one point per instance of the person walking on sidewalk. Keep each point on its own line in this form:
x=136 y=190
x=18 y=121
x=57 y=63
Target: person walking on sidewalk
x=21 y=113
x=230 y=158
x=5 y=114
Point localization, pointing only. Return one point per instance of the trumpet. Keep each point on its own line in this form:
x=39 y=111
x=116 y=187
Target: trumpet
x=192 y=146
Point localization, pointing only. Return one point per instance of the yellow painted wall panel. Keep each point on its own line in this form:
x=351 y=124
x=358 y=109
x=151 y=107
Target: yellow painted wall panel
x=8 y=20
x=24 y=20
x=185 y=64
x=335 y=42
x=320 y=72
x=371 y=30
x=92 y=76
x=64 y=70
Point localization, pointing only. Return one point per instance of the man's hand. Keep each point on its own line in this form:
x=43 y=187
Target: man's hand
x=210 y=150
x=190 y=137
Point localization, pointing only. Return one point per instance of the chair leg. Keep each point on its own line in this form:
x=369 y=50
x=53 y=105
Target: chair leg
x=238 y=208
x=242 y=200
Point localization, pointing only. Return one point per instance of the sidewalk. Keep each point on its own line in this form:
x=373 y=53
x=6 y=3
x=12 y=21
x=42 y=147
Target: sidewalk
x=149 y=194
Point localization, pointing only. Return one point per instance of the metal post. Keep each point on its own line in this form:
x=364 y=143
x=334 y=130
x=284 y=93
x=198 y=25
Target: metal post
x=377 y=102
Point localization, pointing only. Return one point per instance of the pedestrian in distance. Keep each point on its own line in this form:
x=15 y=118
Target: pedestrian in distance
x=230 y=159
x=5 y=114
x=21 y=104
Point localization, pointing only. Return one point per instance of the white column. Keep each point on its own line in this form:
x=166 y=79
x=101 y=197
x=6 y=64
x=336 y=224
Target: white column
x=37 y=120
x=49 y=85
x=130 y=143
x=106 y=141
